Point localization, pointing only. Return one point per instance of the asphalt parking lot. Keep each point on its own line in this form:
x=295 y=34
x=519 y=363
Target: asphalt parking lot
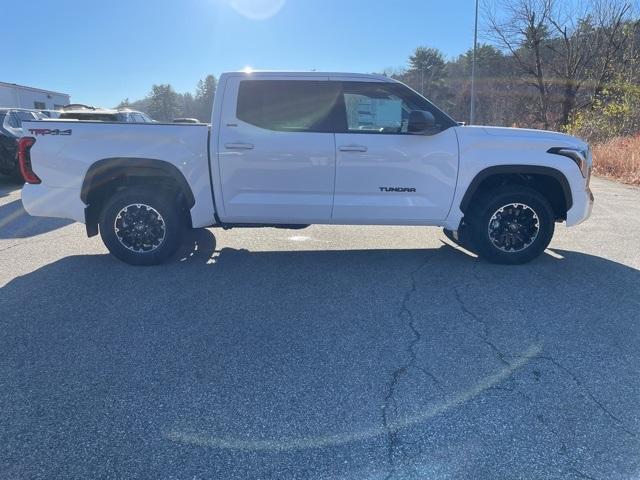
x=325 y=353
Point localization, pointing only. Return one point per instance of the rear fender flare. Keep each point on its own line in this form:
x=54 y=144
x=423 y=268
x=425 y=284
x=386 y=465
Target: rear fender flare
x=107 y=170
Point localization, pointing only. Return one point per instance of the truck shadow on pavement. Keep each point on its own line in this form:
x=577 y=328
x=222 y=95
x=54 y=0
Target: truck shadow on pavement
x=322 y=364
x=15 y=222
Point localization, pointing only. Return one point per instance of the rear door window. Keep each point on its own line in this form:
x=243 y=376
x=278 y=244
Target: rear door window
x=288 y=105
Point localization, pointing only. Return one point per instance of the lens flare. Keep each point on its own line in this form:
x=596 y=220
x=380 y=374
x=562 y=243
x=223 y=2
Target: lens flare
x=188 y=436
x=257 y=9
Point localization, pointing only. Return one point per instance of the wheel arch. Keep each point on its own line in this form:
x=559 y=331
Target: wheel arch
x=530 y=175
x=108 y=173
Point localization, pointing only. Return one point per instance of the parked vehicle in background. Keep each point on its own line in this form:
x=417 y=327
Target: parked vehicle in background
x=186 y=120
x=10 y=132
x=120 y=115
x=51 y=113
x=292 y=149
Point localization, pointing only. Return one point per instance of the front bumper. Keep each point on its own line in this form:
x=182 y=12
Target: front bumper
x=581 y=209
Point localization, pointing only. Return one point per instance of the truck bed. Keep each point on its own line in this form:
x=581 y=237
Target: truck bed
x=65 y=149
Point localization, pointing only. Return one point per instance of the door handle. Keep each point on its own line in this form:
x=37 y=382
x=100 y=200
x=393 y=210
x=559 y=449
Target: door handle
x=352 y=148
x=238 y=146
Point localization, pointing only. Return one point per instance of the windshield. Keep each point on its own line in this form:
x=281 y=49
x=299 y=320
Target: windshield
x=104 y=117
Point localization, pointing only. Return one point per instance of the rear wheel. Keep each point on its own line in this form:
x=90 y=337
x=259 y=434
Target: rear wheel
x=142 y=226
x=511 y=225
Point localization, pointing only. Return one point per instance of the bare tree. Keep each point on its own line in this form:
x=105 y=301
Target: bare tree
x=561 y=47
x=522 y=28
x=587 y=48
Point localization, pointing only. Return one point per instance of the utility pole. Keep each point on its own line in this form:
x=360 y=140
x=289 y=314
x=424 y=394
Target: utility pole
x=422 y=81
x=472 y=117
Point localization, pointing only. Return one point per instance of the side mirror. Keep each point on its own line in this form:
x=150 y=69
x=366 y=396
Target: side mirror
x=421 y=122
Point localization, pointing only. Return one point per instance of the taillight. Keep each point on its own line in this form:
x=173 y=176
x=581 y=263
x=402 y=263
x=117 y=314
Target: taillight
x=24 y=159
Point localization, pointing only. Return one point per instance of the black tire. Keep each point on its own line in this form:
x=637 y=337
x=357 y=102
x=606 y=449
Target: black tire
x=152 y=224
x=516 y=234
x=464 y=239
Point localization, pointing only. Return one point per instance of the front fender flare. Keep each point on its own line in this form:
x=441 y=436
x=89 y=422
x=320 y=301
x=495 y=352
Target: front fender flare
x=517 y=170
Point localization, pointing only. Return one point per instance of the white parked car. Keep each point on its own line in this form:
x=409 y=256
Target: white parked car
x=121 y=115
x=293 y=149
x=50 y=114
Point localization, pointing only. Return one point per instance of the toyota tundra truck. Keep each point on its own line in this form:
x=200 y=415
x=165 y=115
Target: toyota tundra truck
x=289 y=150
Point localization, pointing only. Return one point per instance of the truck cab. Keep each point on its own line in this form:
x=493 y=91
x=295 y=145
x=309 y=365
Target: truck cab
x=331 y=148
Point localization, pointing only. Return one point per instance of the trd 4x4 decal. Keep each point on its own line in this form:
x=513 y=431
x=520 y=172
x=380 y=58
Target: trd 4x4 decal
x=47 y=131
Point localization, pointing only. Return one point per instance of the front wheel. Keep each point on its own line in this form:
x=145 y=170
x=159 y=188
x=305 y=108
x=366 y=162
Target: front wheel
x=142 y=226
x=511 y=225
x=463 y=237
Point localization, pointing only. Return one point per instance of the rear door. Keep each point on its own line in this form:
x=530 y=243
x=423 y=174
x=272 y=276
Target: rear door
x=276 y=151
x=384 y=174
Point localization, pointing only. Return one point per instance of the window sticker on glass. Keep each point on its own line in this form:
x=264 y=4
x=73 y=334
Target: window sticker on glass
x=375 y=114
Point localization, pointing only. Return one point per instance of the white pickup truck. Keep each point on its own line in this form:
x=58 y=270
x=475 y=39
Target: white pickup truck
x=293 y=149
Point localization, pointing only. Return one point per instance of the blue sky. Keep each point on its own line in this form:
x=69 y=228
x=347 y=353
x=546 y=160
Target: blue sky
x=102 y=52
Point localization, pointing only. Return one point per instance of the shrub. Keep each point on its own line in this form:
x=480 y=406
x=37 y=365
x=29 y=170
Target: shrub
x=614 y=113
x=619 y=159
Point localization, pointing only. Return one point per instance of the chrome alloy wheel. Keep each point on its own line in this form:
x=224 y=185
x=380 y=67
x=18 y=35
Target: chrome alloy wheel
x=514 y=227
x=140 y=228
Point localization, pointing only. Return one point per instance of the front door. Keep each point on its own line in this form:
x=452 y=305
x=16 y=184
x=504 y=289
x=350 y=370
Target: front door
x=384 y=174
x=277 y=150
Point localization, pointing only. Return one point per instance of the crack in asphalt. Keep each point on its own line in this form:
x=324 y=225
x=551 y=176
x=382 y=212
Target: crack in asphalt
x=474 y=271
x=581 y=474
x=563 y=451
x=585 y=390
x=513 y=390
x=484 y=336
x=28 y=241
x=405 y=313
x=589 y=394
x=503 y=358
x=11 y=246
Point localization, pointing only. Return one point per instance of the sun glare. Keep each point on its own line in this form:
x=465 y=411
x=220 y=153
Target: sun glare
x=257 y=9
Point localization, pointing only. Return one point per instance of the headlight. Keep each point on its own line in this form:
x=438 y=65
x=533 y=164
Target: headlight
x=581 y=157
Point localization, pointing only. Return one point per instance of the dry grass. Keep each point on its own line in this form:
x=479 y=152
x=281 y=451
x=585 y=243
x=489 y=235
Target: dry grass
x=619 y=159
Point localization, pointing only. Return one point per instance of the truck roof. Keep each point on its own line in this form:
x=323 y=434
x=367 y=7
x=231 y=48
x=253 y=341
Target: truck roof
x=308 y=74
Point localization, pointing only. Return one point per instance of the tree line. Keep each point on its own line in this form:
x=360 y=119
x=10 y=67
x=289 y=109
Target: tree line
x=164 y=104
x=564 y=65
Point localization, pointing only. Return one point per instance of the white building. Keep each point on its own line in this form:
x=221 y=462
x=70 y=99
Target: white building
x=18 y=96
